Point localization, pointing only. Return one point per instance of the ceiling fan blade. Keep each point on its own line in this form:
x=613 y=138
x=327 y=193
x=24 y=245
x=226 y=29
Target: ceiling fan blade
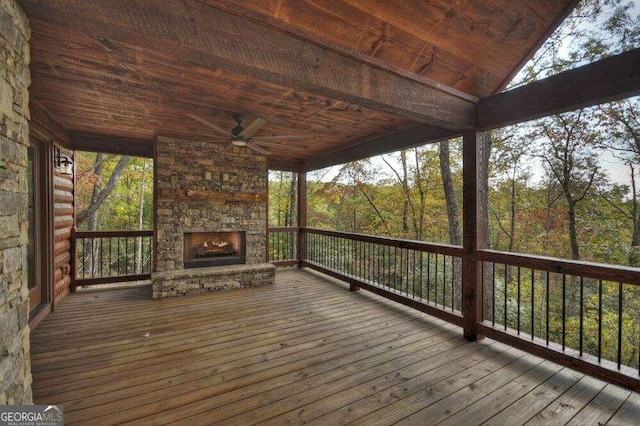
x=278 y=145
x=209 y=124
x=280 y=138
x=257 y=148
x=252 y=128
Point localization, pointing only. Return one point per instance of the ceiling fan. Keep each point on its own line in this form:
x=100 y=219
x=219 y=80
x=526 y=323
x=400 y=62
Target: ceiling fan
x=243 y=136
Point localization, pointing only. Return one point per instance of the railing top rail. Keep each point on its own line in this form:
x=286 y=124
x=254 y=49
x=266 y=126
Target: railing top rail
x=624 y=274
x=284 y=228
x=113 y=234
x=447 y=249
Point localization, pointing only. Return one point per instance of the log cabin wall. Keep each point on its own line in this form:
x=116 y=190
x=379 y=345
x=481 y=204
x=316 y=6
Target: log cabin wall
x=63 y=186
x=45 y=128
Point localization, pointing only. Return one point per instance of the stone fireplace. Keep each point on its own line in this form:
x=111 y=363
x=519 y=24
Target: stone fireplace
x=211 y=218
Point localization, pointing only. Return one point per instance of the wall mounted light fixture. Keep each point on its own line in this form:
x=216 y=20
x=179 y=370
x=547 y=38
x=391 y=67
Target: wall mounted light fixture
x=62 y=162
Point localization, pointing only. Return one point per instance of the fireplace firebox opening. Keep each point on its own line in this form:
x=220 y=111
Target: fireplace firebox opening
x=203 y=249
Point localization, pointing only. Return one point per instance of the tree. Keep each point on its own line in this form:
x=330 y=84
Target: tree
x=143 y=169
x=455 y=235
x=100 y=193
x=621 y=121
x=510 y=174
x=568 y=152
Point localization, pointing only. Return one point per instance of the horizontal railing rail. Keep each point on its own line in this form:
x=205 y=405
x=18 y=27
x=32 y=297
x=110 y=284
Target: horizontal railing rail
x=103 y=257
x=425 y=276
x=581 y=314
x=564 y=266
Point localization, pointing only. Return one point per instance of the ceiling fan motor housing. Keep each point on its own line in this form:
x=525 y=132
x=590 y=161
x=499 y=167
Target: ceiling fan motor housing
x=238 y=129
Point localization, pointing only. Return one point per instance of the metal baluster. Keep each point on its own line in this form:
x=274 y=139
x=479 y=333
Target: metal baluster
x=395 y=268
x=518 y=304
x=506 y=279
x=453 y=284
x=429 y=276
x=110 y=240
x=119 y=273
x=620 y=316
x=444 y=281
x=414 y=275
x=435 y=283
x=493 y=296
x=533 y=296
x=92 y=263
x=421 y=273
x=547 y=303
x=564 y=310
x=84 y=258
x=126 y=255
x=404 y=271
x=581 y=313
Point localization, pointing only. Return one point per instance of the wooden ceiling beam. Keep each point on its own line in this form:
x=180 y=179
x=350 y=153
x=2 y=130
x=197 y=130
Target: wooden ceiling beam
x=406 y=138
x=609 y=79
x=227 y=43
x=112 y=145
x=284 y=165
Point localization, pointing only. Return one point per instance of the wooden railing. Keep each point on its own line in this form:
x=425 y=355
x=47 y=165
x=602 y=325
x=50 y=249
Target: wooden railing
x=111 y=256
x=529 y=302
x=581 y=314
x=422 y=275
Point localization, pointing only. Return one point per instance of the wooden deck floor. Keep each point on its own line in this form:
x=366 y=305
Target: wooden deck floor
x=303 y=350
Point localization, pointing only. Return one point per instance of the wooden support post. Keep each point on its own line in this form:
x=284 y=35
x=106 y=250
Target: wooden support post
x=73 y=262
x=302 y=217
x=473 y=234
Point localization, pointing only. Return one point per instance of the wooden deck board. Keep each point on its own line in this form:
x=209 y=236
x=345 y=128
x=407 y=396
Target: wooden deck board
x=303 y=350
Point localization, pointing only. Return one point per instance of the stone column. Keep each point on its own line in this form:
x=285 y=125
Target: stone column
x=15 y=364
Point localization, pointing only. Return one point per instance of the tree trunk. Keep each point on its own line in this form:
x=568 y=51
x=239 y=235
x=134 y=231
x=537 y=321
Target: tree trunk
x=512 y=224
x=547 y=220
x=93 y=214
x=140 y=219
x=485 y=141
x=291 y=214
x=422 y=197
x=405 y=190
x=455 y=235
x=634 y=252
x=573 y=232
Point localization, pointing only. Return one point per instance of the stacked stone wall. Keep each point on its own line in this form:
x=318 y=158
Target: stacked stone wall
x=206 y=187
x=205 y=168
x=15 y=365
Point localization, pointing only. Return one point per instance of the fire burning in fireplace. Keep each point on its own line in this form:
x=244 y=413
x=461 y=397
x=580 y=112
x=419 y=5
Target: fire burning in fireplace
x=213 y=248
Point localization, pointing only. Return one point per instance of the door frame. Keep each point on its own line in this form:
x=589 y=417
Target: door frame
x=44 y=254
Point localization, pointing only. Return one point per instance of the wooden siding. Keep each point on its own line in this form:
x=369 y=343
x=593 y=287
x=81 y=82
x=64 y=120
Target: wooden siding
x=303 y=350
x=62 y=222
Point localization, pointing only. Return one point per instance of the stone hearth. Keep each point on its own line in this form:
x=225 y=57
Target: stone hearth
x=204 y=188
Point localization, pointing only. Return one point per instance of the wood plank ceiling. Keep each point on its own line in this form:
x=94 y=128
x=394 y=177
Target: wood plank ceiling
x=338 y=72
